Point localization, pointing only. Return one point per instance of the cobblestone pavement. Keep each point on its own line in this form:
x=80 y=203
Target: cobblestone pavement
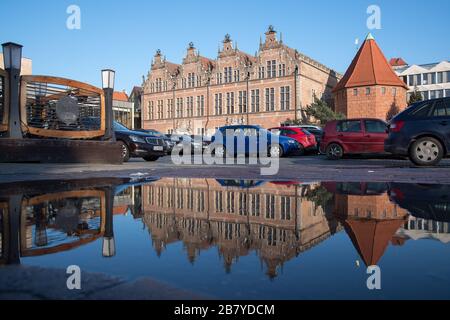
x=306 y=168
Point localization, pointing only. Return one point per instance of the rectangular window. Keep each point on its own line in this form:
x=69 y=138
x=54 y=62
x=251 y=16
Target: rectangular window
x=218 y=104
x=160 y=109
x=150 y=110
x=432 y=78
x=255 y=100
x=270 y=99
x=230 y=102
x=219 y=201
x=349 y=126
x=242 y=101
x=355 y=92
x=282 y=70
x=285 y=98
x=190 y=106
x=230 y=202
x=425 y=95
x=394 y=91
x=447 y=93
x=255 y=203
x=383 y=90
x=179 y=107
x=285 y=208
x=440 y=77
x=270 y=206
x=261 y=72
x=367 y=91
x=237 y=76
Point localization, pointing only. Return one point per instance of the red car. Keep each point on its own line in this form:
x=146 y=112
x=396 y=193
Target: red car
x=353 y=136
x=306 y=139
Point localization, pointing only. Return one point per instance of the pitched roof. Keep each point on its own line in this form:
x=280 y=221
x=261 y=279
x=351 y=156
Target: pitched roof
x=120 y=96
x=397 y=62
x=372 y=237
x=369 y=67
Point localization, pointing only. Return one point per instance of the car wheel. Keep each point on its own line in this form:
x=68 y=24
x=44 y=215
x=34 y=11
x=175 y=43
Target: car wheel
x=220 y=151
x=125 y=151
x=301 y=150
x=276 y=151
x=334 y=151
x=426 y=151
x=151 y=158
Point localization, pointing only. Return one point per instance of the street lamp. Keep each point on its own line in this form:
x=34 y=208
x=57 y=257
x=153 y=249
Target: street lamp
x=108 y=78
x=12 y=58
x=12 y=55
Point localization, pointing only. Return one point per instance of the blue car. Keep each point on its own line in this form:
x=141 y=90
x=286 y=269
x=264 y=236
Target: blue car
x=248 y=139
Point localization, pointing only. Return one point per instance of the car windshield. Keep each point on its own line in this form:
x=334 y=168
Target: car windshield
x=120 y=127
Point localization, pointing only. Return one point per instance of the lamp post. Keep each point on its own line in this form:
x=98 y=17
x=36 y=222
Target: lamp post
x=12 y=56
x=108 y=78
x=109 y=245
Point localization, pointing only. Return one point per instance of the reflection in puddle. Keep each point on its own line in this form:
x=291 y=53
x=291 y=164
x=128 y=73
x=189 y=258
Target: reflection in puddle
x=276 y=222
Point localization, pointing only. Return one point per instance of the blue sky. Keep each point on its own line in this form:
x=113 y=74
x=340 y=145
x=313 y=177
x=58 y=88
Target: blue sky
x=124 y=35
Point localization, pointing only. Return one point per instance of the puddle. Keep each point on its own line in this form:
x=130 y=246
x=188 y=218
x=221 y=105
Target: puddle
x=235 y=239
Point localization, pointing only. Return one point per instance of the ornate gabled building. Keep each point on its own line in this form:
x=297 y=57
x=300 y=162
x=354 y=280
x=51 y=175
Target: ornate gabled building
x=202 y=94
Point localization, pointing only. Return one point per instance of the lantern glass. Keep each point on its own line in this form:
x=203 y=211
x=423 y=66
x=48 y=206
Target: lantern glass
x=108 y=79
x=12 y=55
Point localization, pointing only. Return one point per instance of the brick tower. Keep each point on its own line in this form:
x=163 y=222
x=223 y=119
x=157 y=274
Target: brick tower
x=370 y=88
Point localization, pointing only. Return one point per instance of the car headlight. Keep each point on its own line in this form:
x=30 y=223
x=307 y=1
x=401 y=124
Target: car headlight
x=292 y=141
x=137 y=139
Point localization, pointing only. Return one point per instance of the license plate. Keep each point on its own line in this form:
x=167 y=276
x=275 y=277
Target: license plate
x=158 y=148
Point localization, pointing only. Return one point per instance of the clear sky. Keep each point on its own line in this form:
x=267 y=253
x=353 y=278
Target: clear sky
x=124 y=34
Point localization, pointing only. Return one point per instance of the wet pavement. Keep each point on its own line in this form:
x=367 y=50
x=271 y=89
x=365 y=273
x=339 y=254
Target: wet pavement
x=306 y=168
x=189 y=238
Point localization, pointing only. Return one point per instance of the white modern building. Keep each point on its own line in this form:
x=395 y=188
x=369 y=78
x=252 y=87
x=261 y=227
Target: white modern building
x=432 y=80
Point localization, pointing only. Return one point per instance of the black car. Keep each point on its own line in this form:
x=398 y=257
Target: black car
x=421 y=132
x=169 y=143
x=139 y=144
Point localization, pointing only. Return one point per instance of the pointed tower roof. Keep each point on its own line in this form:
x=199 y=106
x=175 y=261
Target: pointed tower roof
x=369 y=67
x=372 y=237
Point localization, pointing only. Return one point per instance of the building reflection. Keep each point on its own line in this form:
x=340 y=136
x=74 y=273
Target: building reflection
x=276 y=221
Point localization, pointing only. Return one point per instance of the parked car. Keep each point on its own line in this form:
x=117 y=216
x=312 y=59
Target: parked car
x=306 y=140
x=139 y=144
x=315 y=130
x=184 y=141
x=353 y=136
x=169 y=143
x=421 y=132
x=282 y=145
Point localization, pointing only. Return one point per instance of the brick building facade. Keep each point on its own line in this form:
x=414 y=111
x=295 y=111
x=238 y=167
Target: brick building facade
x=370 y=88
x=202 y=94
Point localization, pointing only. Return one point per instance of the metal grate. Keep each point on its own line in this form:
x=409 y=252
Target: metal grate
x=155 y=141
x=2 y=98
x=57 y=107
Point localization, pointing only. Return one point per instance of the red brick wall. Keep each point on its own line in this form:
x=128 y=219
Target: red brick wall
x=373 y=105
